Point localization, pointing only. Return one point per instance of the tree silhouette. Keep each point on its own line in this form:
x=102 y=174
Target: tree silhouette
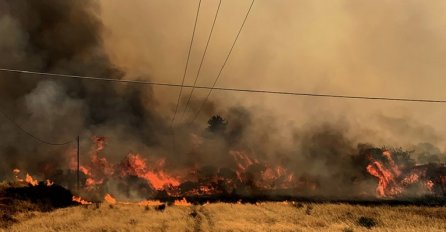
x=216 y=124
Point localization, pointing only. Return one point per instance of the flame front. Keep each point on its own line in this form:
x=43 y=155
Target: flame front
x=155 y=177
x=393 y=181
x=81 y=201
x=182 y=202
x=135 y=165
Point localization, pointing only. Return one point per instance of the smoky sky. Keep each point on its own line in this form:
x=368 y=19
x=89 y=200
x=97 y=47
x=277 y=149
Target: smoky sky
x=370 y=48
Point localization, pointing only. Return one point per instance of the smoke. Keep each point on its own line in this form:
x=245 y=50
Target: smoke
x=65 y=37
x=378 y=48
x=311 y=46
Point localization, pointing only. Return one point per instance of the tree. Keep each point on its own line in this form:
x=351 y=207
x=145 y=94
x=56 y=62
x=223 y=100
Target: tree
x=216 y=124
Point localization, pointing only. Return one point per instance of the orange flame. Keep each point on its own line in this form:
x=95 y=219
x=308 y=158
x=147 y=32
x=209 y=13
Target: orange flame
x=386 y=180
x=81 y=201
x=182 y=202
x=149 y=203
x=109 y=199
x=391 y=181
x=98 y=169
x=136 y=165
x=30 y=180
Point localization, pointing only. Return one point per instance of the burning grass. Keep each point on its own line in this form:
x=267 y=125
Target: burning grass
x=265 y=216
x=394 y=173
x=393 y=170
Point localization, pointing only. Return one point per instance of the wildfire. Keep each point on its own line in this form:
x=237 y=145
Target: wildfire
x=393 y=177
x=393 y=180
x=386 y=185
x=109 y=199
x=99 y=169
x=272 y=176
x=243 y=161
x=135 y=165
x=113 y=201
x=29 y=179
x=149 y=203
x=182 y=202
x=81 y=201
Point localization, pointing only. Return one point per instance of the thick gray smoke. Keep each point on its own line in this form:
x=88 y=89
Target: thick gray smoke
x=64 y=37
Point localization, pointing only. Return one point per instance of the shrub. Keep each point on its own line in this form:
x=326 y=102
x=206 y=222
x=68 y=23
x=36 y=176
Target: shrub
x=160 y=208
x=298 y=205
x=367 y=222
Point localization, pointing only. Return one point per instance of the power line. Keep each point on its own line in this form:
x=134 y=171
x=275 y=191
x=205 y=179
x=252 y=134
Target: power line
x=224 y=63
x=228 y=89
x=202 y=58
x=187 y=63
x=33 y=136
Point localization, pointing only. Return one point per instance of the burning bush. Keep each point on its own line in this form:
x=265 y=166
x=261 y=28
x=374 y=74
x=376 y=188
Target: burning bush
x=398 y=174
x=137 y=177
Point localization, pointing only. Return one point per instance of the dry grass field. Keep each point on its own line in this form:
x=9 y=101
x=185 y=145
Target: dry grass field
x=271 y=216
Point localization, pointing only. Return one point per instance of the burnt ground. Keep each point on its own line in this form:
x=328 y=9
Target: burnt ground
x=17 y=198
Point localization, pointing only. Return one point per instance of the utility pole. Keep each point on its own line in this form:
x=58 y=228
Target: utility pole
x=78 y=164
